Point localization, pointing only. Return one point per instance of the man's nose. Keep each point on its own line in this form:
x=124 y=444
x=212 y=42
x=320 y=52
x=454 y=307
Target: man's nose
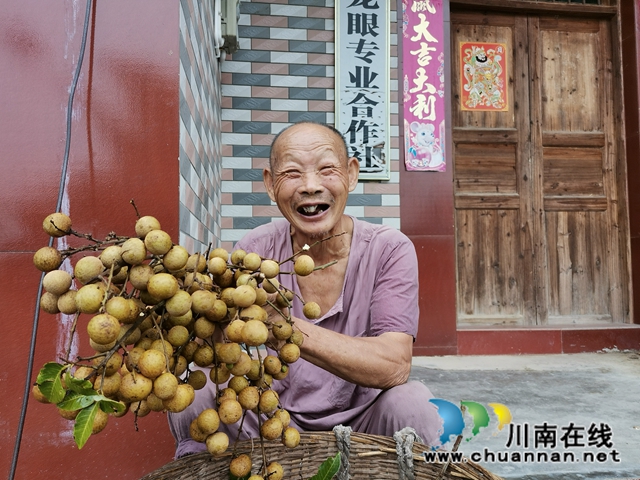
x=312 y=183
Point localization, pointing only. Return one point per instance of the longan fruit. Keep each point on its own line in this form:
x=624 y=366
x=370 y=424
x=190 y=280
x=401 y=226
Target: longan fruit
x=195 y=433
x=240 y=466
x=229 y=353
x=291 y=437
x=217 y=312
x=251 y=261
x=139 y=276
x=275 y=471
x=49 y=303
x=311 y=310
x=158 y=242
x=184 y=396
x=165 y=386
x=237 y=256
x=134 y=251
x=203 y=328
x=67 y=302
x=249 y=397
x=271 y=429
x=154 y=403
x=268 y=401
x=269 y=268
x=219 y=374
x=99 y=422
x=272 y=364
x=47 y=259
x=271 y=285
x=220 y=253
x=135 y=387
x=87 y=269
x=281 y=329
x=178 y=335
x=176 y=258
x=238 y=383
x=254 y=333
x=112 y=255
x=202 y=301
x=145 y=224
x=57 y=282
x=217 y=443
x=89 y=298
x=284 y=417
x=203 y=356
x=289 y=353
x=230 y=411
x=253 y=312
x=152 y=363
x=196 y=263
x=242 y=366
x=197 y=379
x=297 y=338
x=208 y=421
x=233 y=331
x=57 y=224
x=303 y=265
x=162 y=286
x=179 y=304
x=244 y=295
x=140 y=408
x=103 y=328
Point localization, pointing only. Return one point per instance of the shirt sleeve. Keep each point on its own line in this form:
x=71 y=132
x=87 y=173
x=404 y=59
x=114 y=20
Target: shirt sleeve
x=394 y=302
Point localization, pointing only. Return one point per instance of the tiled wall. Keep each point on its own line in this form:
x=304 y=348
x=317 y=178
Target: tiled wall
x=284 y=73
x=200 y=142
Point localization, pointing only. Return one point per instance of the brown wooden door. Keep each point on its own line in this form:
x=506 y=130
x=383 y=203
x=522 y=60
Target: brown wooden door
x=540 y=240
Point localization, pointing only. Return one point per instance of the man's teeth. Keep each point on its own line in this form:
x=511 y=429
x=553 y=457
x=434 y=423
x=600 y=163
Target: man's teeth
x=310 y=209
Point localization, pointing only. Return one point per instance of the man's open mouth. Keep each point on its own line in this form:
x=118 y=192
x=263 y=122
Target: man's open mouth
x=311 y=210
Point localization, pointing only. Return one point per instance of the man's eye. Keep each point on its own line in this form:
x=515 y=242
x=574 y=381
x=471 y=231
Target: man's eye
x=291 y=174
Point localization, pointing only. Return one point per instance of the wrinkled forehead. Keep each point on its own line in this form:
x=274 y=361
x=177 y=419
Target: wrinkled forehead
x=307 y=139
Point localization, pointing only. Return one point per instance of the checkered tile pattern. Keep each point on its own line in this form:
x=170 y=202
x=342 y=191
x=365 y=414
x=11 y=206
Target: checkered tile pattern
x=200 y=129
x=284 y=73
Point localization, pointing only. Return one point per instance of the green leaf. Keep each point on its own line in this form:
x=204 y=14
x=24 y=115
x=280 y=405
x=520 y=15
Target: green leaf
x=75 y=401
x=84 y=424
x=328 y=469
x=50 y=372
x=111 y=406
x=50 y=381
x=78 y=385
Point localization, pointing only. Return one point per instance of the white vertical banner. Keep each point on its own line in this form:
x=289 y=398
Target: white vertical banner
x=362 y=55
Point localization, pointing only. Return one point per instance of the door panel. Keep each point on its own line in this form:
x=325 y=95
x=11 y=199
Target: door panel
x=535 y=194
x=495 y=282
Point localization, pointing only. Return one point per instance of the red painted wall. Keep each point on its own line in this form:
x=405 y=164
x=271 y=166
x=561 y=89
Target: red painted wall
x=124 y=145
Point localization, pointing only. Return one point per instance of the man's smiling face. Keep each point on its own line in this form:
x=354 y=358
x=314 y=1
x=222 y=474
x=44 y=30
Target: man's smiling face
x=311 y=178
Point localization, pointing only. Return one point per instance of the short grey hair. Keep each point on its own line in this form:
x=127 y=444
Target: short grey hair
x=331 y=128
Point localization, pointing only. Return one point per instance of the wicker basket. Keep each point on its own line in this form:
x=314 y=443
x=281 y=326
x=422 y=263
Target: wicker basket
x=370 y=457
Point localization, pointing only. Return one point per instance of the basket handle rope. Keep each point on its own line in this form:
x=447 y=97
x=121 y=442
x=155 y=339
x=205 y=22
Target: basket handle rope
x=404 y=448
x=343 y=439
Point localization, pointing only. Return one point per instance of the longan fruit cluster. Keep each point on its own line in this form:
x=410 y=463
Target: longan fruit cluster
x=156 y=311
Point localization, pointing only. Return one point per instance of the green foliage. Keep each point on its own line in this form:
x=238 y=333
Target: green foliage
x=79 y=395
x=84 y=424
x=328 y=469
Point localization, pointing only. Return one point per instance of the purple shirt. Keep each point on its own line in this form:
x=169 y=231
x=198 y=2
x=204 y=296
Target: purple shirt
x=380 y=294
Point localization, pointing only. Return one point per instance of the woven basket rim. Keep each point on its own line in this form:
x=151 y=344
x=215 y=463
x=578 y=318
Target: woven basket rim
x=370 y=456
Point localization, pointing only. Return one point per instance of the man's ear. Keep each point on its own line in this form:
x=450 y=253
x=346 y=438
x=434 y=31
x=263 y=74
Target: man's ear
x=268 y=183
x=353 y=169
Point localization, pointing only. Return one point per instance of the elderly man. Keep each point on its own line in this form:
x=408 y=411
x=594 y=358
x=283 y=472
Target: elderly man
x=356 y=358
